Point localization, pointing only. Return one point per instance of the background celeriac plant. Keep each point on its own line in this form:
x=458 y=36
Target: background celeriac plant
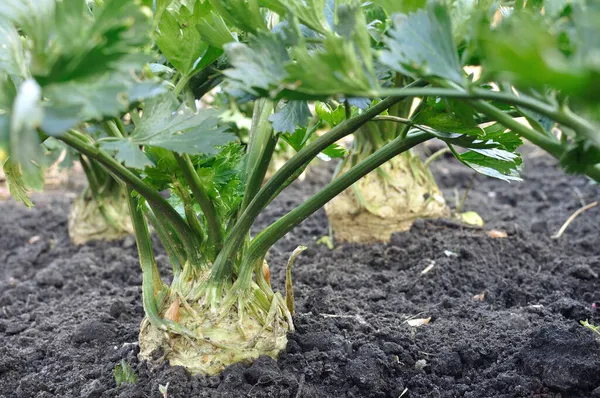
x=70 y=67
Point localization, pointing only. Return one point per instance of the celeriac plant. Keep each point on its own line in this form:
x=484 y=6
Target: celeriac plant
x=100 y=212
x=69 y=67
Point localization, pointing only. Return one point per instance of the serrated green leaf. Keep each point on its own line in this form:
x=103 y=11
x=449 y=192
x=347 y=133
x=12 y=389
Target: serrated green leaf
x=167 y=124
x=352 y=25
x=526 y=51
x=333 y=117
x=421 y=45
x=334 y=151
x=296 y=139
x=259 y=65
x=142 y=91
x=334 y=69
x=491 y=150
x=579 y=155
x=214 y=31
x=83 y=47
x=508 y=139
x=128 y=153
x=16 y=186
x=440 y=115
x=495 y=163
x=243 y=14
x=310 y=12
x=462 y=14
x=292 y=115
x=299 y=138
x=179 y=39
x=107 y=96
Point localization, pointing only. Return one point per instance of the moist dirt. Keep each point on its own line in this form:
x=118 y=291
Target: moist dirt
x=504 y=312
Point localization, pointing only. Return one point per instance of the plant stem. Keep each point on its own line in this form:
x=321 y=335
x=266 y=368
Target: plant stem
x=260 y=150
x=113 y=129
x=434 y=156
x=154 y=199
x=565 y=118
x=181 y=84
x=188 y=210
x=151 y=282
x=347 y=109
x=553 y=147
x=172 y=247
x=285 y=224
x=215 y=234
x=222 y=267
x=90 y=175
x=396 y=119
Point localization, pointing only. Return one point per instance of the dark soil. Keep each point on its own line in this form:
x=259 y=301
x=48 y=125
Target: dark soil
x=504 y=312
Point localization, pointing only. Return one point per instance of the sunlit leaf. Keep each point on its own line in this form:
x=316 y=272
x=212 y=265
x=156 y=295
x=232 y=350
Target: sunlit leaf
x=421 y=44
x=180 y=41
x=495 y=163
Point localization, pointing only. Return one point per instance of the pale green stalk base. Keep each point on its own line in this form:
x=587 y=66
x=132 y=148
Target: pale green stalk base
x=90 y=220
x=385 y=201
x=217 y=340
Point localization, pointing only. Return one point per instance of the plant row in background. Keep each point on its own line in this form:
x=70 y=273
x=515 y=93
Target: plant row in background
x=129 y=87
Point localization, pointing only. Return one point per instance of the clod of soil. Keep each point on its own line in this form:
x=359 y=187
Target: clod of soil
x=504 y=312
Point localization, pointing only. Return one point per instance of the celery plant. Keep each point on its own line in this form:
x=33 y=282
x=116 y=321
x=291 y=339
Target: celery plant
x=100 y=212
x=70 y=66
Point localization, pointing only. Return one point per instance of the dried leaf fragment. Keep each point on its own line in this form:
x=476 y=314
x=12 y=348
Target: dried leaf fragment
x=418 y=322
x=497 y=234
x=173 y=311
x=471 y=218
x=479 y=297
x=428 y=268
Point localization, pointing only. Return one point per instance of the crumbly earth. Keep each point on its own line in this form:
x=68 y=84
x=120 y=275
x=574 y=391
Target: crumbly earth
x=504 y=312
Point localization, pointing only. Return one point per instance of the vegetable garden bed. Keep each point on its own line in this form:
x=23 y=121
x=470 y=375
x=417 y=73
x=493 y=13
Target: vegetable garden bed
x=504 y=312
